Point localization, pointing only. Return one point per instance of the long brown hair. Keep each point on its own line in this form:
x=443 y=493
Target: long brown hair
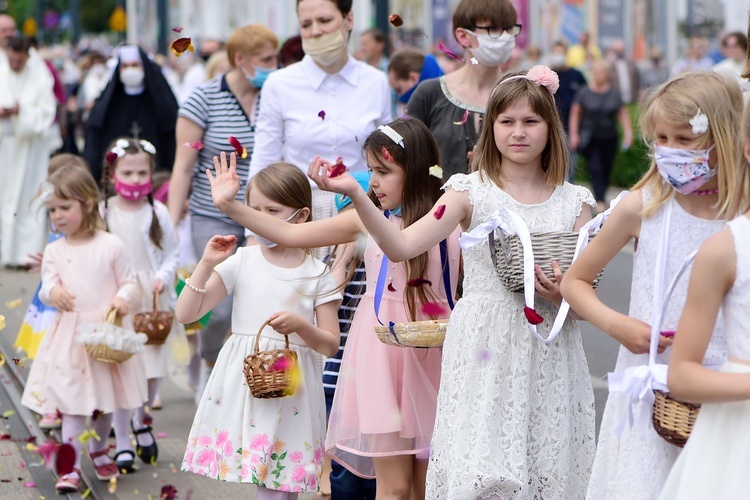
x=71 y=182
x=487 y=159
x=419 y=193
x=155 y=232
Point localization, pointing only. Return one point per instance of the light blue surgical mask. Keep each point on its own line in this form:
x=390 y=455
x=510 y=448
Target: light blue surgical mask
x=261 y=75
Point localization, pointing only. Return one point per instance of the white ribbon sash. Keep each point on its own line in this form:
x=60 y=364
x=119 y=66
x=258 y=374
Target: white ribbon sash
x=517 y=226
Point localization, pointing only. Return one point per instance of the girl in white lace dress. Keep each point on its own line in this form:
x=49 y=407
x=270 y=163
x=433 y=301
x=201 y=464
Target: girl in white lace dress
x=691 y=120
x=515 y=416
x=714 y=461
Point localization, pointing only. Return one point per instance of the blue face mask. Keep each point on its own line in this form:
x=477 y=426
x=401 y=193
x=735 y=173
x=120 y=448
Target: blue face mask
x=261 y=75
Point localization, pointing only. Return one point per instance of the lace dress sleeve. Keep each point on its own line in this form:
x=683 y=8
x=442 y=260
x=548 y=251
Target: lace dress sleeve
x=583 y=196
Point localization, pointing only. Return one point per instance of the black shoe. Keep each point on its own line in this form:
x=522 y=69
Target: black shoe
x=124 y=460
x=149 y=453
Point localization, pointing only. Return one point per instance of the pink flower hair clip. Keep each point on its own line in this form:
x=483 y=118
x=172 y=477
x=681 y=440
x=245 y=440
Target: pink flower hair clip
x=542 y=76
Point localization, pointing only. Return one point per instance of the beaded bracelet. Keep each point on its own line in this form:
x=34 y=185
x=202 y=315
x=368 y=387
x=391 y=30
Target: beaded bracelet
x=194 y=288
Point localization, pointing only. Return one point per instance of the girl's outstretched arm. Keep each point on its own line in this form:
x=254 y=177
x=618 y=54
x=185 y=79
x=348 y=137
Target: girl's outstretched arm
x=323 y=338
x=623 y=224
x=341 y=228
x=452 y=209
x=205 y=289
x=711 y=278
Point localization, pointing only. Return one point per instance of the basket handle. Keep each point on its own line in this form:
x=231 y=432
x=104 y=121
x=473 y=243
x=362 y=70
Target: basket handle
x=112 y=317
x=257 y=337
x=156 y=301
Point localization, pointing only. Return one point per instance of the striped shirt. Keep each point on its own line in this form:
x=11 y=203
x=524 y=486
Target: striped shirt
x=215 y=109
x=353 y=292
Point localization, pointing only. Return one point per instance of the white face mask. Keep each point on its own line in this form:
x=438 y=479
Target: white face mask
x=685 y=169
x=556 y=60
x=268 y=243
x=326 y=49
x=493 y=51
x=132 y=77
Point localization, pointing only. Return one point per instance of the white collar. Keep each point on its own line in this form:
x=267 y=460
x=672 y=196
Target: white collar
x=350 y=71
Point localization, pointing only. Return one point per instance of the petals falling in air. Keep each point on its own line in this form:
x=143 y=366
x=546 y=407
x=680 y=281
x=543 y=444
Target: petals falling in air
x=390 y=287
x=463 y=118
x=442 y=48
x=434 y=310
x=338 y=169
x=419 y=282
x=237 y=145
x=197 y=145
x=111 y=158
x=436 y=171
x=532 y=316
x=181 y=45
x=177 y=30
x=395 y=20
x=439 y=212
x=322 y=114
x=386 y=155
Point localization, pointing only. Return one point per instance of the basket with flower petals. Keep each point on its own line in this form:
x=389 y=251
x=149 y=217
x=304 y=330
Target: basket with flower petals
x=109 y=341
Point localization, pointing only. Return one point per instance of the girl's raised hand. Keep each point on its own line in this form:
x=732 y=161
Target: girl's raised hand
x=218 y=249
x=61 y=299
x=226 y=184
x=319 y=172
x=286 y=322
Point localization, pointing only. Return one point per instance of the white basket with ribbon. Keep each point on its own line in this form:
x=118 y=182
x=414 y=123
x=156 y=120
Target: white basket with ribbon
x=510 y=224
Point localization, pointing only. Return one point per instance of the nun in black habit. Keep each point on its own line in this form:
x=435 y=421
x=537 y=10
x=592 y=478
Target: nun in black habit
x=137 y=102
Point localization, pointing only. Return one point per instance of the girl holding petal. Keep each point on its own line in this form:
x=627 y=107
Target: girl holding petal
x=515 y=416
x=691 y=123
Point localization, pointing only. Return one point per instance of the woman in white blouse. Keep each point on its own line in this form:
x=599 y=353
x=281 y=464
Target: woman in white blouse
x=325 y=105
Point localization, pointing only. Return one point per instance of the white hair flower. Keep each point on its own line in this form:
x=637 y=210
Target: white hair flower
x=148 y=147
x=46 y=190
x=699 y=123
x=122 y=143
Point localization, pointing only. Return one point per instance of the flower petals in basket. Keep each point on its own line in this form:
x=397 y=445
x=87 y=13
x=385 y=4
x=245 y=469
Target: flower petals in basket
x=108 y=341
x=274 y=373
x=429 y=333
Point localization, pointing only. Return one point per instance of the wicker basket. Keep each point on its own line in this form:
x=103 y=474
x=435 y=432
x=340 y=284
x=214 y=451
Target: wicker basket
x=101 y=352
x=415 y=334
x=507 y=255
x=264 y=381
x=155 y=324
x=673 y=420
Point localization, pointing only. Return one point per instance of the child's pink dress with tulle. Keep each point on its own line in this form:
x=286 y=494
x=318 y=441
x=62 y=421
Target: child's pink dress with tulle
x=386 y=396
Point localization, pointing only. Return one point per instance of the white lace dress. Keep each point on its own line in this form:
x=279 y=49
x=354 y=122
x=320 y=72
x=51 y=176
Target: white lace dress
x=515 y=417
x=715 y=459
x=635 y=465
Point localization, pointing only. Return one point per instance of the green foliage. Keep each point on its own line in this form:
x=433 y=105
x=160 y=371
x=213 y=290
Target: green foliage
x=629 y=165
x=95 y=15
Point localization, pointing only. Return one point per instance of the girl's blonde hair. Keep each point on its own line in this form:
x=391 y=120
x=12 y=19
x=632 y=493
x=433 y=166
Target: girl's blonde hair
x=487 y=158
x=741 y=200
x=675 y=103
x=155 y=232
x=71 y=182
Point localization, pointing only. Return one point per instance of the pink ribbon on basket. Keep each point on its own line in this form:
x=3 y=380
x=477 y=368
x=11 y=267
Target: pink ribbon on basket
x=517 y=226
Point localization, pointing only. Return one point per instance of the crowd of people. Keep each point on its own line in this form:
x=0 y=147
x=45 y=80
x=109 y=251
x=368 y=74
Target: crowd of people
x=290 y=198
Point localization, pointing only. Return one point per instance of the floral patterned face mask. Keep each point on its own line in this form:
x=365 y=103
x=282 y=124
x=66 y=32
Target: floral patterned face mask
x=685 y=169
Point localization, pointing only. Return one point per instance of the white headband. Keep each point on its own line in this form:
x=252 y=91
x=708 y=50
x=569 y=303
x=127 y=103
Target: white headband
x=394 y=136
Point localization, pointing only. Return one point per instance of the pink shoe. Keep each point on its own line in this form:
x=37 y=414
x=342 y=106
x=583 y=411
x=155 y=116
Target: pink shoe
x=50 y=421
x=69 y=482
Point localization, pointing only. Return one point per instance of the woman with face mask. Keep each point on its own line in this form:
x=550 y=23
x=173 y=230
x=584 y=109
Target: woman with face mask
x=453 y=105
x=325 y=105
x=226 y=106
x=137 y=101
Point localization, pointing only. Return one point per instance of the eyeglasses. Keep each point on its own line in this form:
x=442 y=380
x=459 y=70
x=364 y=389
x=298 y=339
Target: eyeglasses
x=496 y=33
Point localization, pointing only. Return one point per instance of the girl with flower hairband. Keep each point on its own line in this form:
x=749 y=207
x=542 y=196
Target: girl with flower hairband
x=690 y=123
x=383 y=410
x=515 y=416
x=145 y=226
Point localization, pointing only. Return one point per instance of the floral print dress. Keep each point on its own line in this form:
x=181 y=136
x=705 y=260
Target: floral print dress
x=274 y=443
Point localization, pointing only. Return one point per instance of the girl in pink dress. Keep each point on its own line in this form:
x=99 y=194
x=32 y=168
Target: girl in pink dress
x=84 y=275
x=384 y=407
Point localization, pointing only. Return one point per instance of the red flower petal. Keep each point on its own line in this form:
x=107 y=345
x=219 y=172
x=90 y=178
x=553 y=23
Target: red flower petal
x=47 y=449
x=95 y=416
x=281 y=365
x=532 y=316
x=111 y=158
x=168 y=492
x=449 y=52
x=419 y=282
x=338 y=169
x=439 y=212
x=463 y=118
x=197 y=145
x=65 y=459
x=390 y=287
x=322 y=114
x=395 y=20
x=386 y=154
x=434 y=310
x=181 y=45
x=237 y=145
x=148 y=420
x=177 y=30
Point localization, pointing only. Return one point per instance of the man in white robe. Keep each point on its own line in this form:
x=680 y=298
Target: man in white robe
x=27 y=111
